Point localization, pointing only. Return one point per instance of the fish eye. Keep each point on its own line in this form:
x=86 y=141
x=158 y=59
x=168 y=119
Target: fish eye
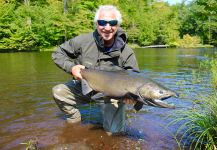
x=161 y=92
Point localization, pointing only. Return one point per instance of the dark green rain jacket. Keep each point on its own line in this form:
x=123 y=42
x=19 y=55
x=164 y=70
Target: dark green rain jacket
x=88 y=50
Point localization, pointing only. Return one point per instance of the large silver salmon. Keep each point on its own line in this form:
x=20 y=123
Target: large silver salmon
x=123 y=84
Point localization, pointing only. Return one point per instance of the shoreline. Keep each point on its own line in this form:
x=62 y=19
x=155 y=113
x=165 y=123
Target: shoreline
x=133 y=46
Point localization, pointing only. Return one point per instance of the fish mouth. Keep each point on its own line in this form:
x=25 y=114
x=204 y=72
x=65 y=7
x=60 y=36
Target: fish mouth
x=158 y=103
x=172 y=95
x=163 y=98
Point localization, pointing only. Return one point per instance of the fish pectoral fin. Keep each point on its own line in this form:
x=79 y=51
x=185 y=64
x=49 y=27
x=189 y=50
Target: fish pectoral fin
x=138 y=106
x=85 y=87
x=139 y=101
x=98 y=96
x=131 y=96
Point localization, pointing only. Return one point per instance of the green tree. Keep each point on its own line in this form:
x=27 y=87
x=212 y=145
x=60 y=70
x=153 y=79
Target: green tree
x=36 y=24
x=200 y=18
x=206 y=10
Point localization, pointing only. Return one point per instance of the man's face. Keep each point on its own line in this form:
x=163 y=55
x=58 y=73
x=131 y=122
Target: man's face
x=108 y=30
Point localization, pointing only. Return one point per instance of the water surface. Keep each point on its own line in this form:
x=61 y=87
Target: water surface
x=28 y=110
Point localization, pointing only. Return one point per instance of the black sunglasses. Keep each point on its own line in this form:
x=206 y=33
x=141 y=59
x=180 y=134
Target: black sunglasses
x=111 y=22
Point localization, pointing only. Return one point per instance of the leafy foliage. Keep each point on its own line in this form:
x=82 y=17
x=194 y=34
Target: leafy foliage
x=189 y=41
x=200 y=18
x=210 y=65
x=37 y=24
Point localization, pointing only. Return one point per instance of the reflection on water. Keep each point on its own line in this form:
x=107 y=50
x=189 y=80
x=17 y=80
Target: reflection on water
x=28 y=110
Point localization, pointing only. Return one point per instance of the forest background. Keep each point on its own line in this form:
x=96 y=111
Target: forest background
x=43 y=24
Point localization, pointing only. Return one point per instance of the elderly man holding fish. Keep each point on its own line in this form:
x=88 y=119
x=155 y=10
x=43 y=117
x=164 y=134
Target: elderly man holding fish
x=103 y=49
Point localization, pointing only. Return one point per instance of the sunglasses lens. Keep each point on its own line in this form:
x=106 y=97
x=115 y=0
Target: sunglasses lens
x=111 y=22
x=101 y=22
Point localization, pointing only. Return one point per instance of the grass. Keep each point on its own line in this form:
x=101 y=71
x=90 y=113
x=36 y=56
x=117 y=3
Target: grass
x=31 y=144
x=211 y=66
x=198 y=126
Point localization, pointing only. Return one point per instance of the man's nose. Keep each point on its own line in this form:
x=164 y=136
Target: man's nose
x=107 y=26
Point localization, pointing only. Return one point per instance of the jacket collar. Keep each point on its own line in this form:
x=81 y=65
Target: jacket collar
x=119 y=43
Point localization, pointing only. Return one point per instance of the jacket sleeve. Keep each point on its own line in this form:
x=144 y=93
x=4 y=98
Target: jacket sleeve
x=65 y=55
x=130 y=61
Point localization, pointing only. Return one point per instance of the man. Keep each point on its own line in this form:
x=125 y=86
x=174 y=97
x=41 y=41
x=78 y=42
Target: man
x=104 y=49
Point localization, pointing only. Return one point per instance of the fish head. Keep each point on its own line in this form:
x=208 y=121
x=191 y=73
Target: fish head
x=154 y=95
x=156 y=91
x=163 y=94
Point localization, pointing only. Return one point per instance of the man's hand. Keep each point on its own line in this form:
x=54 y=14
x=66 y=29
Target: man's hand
x=76 y=71
x=129 y=101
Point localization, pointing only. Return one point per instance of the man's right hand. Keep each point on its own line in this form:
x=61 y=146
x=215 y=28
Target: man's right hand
x=129 y=101
x=76 y=71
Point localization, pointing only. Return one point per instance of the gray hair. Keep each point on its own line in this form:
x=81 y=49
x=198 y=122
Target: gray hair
x=111 y=8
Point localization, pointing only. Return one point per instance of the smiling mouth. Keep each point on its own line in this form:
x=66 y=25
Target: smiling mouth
x=106 y=33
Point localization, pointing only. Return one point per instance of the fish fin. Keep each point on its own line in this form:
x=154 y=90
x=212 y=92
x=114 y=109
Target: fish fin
x=139 y=101
x=138 y=106
x=85 y=87
x=98 y=96
x=131 y=96
x=121 y=72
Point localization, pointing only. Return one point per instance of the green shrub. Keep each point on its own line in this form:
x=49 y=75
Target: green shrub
x=189 y=41
x=31 y=27
x=198 y=129
x=213 y=70
x=211 y=66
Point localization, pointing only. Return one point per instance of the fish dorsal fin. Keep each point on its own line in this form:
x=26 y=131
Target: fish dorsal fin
x=85 y=87
x=127 y=72
x=122 y=72
x=98 y=96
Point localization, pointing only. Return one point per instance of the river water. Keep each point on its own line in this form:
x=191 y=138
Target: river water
x=28 y=110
